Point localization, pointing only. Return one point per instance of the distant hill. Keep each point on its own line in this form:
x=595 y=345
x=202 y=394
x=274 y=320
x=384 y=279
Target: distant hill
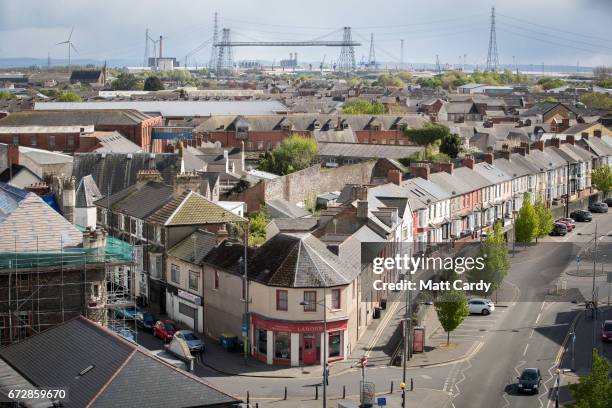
x=18 y=62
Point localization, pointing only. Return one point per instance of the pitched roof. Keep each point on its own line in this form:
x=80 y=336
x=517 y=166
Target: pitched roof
x=195 y=247
x=87 y=193
x=110 y=142
x=85 y=75
x=139 y=200
x=281 y=208
x=191 y=208
x=58 y=357
x=366 y=151
x=74 y=117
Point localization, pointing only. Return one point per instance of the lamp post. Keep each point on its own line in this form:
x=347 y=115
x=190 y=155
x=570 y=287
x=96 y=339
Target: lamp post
x=325 y=374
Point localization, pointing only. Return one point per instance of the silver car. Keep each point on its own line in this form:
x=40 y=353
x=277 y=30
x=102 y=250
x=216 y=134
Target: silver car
x=193 y=342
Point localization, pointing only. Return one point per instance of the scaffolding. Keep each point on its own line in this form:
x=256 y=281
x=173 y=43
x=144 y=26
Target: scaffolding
x=40 y=289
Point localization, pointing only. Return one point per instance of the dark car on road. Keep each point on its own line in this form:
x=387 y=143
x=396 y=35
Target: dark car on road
x=608 y=201
x=581 y=215
x=530 y=380
x=147 y=322
x=598 y=207
x=560 y=228
x=606 y=331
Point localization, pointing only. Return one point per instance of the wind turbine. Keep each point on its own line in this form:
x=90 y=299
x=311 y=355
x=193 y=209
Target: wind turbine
x=70 y=45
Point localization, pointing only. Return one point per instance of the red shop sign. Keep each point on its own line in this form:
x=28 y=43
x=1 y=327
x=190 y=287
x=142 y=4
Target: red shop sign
x=298 y=327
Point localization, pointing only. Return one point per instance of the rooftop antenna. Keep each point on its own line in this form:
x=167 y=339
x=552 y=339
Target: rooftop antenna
x=492 y=56
x=70 y=45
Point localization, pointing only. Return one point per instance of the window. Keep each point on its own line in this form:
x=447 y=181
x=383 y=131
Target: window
x=121 y=221
x=282 y=300
x=194 y=280
x=95 y=291
x=15 y=140
x=139 y=228
x=157 y=233
x=282 y=345
x=155 y=262
x=51 y=140
x=335 y=344
x=262 y=341
x=175 y=272
x=216 y=278
x=33 y=141
x=310 y=301
x=335 y=298
x=70 y=140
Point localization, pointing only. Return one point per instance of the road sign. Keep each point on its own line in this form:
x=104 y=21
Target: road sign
x=381 y=401
x=578 y=258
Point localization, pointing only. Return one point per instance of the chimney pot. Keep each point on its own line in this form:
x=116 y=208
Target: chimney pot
x=488 y=157
x=421 y=171
x=468 y=162
x=394 y=176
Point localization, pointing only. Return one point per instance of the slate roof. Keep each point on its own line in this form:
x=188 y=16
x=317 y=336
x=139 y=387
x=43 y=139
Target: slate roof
x=121 y=374
x=11 y=172
x=111 y=142
x=281 y=208
x=195 y=209
x=195 y=247
x=74 y=117
x=366 y=151
x=85 y=75
x=27 y=223
x=120 y=170
x=295 y=224
x=139 y=200
x=87 y=193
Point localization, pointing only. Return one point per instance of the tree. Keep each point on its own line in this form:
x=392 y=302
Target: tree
x=257 y=226
x=360 y=106
x=551 y=99
x=451 y=145
x=594 y=390
x=452 y=309
x=546 y=221
x=602 y=74
x=386 y=80
x=596 y=100
x=601 y=178
x=153 y=83
x=496 y=262
x=126 y=82
x=294 y=153
x=69 y=96
x=5 y=96
x=428 y=134
x=526 y=224
x=550 y=83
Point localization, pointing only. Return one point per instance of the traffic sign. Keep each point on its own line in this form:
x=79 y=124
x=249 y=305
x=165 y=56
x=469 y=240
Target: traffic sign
x=381 y=401
x=578 y=258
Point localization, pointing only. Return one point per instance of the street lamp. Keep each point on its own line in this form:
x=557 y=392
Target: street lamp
x=325 y=374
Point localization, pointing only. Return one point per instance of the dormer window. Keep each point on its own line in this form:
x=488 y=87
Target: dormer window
x=316 y=124
x=345 y=125
x=242 y=132
x=286 y=127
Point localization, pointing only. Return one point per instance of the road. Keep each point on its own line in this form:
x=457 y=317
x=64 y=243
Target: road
x=528 y=330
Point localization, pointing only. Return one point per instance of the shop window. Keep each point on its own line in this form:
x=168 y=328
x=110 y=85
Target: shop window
x=282 y=300
x=335 y=298
x=70 y=141
x=262 y=341
x=216 y=283
x=310 y=301
x=51 y=140
x=33 y=141
x=335 y=344
x=175 y=272
x=282 y=345
x=194 y=280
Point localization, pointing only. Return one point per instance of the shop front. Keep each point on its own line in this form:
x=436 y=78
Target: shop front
x=298 y=343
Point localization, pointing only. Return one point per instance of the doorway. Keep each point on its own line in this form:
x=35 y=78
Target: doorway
x=309 y=349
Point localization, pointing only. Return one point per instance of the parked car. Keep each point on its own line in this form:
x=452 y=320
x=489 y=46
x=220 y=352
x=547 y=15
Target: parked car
x=581 y=215
x=560 y=228
x=193 y=342
x=164 y=329
x=598 y=207
x=128 y=313
x=481 y=306
x=569 y=223
x=147 y=322
x=606 y=331
x=127 y=334
x=608 y=201
x=529 y=380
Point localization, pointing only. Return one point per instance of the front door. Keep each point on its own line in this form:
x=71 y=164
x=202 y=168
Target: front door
x=309 y=350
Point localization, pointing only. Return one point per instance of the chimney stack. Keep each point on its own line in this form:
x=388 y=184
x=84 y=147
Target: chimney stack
x=359 y=192
x=522 y=151
x=447 y=167
x=538 y=145
x=68 y=198
x=147 y=175
x=570 y=139
x=555 y=142
x=362 y=209
x=488 y=157
x=94 y=239
x=525 y=145
x=421 y=171
x=12 y=154
x=394 y=176
x=468 y=161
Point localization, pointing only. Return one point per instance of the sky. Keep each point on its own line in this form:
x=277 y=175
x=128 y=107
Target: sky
x=556 y=32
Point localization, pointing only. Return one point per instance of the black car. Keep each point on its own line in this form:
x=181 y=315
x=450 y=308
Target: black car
x=560 y=228
x=598 y=207
x=530 y=380
x=581 y=215
x=608 y=201
x=147 y=322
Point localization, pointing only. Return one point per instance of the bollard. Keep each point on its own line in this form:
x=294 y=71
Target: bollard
x=316 y=392
x=285 y=393
x=257 y=405
x=248 y=398
x=391 y=392
x=411 y=385
x=344 y=392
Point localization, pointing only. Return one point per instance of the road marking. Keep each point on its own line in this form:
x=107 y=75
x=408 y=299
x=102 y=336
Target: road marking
x=532 y=331
x=525 y=351
x=381 y=328
x=425 y=376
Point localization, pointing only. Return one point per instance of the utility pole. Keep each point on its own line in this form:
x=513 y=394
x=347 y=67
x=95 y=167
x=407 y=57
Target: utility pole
x=492 y=55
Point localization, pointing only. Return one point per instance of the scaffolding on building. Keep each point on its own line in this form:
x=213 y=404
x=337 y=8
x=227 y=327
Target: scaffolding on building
x=40 y=289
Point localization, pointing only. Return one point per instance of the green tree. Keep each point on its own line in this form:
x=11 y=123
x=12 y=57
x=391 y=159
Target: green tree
x=5 y=96
x=496 y=262
x=360 y=106
x=601 y=178
x=452 y=309
x=294 y=153
x=69 y=96
x=594 y=390
x=546 y=221
x=596 y=100
x=526 y=224
x=388 y=80
x=257 y=226
x=550 y=83
x=551 y=99
x=127 y=82
x=428 y=134
x=451 y=145
x=153 y=83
